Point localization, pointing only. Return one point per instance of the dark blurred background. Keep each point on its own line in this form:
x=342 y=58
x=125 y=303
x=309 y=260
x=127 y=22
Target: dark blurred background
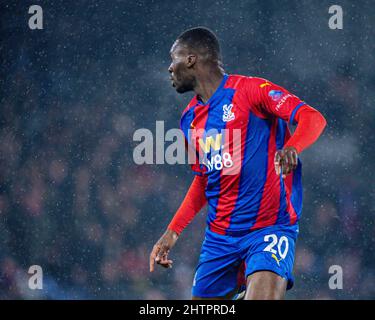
x=73 y=201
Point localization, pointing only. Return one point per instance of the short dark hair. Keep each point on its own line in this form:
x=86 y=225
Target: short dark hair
x=203 y=40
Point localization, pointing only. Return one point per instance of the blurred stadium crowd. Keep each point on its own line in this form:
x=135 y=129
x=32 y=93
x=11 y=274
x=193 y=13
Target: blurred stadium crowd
x=73 y=201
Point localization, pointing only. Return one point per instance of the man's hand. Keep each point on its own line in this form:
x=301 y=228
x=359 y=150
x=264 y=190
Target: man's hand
x=286 y=161
x=159 y=253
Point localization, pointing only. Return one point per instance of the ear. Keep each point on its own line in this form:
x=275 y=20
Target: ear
x=191 y=60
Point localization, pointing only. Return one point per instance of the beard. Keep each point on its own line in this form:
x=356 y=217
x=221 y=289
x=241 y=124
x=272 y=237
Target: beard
x=184 y=86
x=183 y=89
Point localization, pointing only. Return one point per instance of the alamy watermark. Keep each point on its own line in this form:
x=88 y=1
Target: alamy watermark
x=336 y=21
x=36 y=20
x=213 y=149
x=36 y=279
x=336 y=280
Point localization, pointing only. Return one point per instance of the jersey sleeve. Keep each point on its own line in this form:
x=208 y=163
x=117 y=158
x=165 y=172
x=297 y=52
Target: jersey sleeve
x=194 y=201
x=269 y=99
x=311 y=124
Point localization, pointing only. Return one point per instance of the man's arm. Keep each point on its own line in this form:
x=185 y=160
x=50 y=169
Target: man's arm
x=268 y=99
x=310 y=125
x=194 y=201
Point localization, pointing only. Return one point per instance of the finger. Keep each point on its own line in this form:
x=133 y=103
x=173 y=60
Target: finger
x=153 y=255
x=295 y=160
x=285 y=166
x=163 y=255
x=289 y=166
x=277 y=163
x=277 y=157
x=152 y=260
x=292 y=161
x=282 y=168
x=166 y=263
x=163 y=259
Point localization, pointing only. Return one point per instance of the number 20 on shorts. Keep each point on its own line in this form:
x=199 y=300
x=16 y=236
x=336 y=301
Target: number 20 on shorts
x=282 y=245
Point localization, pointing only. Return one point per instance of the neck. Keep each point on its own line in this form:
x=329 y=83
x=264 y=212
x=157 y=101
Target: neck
x=207 y=83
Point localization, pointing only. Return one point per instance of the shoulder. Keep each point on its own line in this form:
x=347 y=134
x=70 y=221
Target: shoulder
x=193 y=102
x=236 y=81
x=187 y=115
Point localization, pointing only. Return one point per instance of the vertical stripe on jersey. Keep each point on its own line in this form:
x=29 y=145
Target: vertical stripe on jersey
x=217 y=214
x=270 y=202
x=229 y=180
x=282 y=216
x=200 y=122
x=253 y=171
x=197 y=115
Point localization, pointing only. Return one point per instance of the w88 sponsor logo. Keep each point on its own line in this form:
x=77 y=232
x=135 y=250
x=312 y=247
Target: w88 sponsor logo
x=218 y=162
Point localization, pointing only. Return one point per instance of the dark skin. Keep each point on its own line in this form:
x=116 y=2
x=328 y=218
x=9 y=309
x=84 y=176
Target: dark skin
x=286 y=161
x=192 y=70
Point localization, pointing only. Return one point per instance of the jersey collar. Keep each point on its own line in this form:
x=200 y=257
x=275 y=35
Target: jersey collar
x=216 y=93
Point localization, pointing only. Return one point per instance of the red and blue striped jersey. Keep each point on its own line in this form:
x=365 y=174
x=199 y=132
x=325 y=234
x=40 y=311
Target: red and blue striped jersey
x=234 y=137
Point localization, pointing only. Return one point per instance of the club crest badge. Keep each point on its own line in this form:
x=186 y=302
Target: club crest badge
x=228 y=114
